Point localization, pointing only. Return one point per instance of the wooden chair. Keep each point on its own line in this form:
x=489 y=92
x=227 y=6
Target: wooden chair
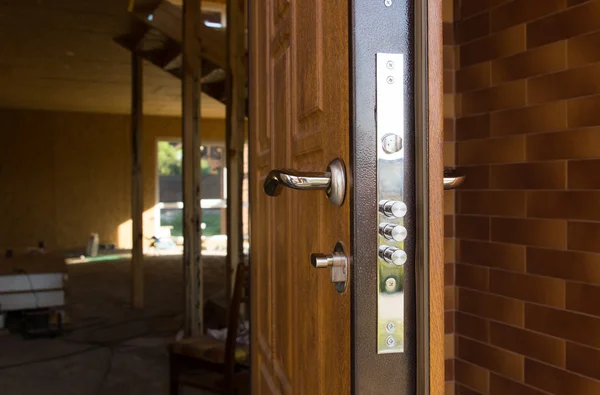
x=207 y=363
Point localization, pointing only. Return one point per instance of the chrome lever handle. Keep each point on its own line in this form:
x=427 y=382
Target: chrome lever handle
x=451 y=179
x=279 y=178
x=332 y=181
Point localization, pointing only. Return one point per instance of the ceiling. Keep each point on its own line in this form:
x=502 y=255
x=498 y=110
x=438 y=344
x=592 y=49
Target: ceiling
x=60 y=55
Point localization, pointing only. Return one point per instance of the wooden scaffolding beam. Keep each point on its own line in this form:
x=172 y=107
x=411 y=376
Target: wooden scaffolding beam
x=137 y=187
x=235 y=133
x=192 y=232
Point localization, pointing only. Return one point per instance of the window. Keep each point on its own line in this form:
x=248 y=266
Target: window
x=169 y=210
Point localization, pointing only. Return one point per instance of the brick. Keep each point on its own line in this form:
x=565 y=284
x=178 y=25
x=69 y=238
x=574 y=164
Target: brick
x=502 y=386
x=563 y=324
x=535 y=232
x=500 y=203
x=583 y=50
x=572 y=144
x=476 y=177
x=471 y=326
x=474 y=127
x=583 y=174
x=538 y=289
x=530 y=344
x=472 y=276
x=495 y=255
x=583 y=298
x=569 y=265
x=583 y=360
x=469 y=29
x=546 y=59
x=548 y=117
x=449 y=322
x=473 y=77
x=501 y=44
x=515 y=12
x=572 y=22
x=449 y=130
x=472 y=375
x=491 y=306
x=582 y=205
x=472 y=227
x=495 y=359
x=584 y=236
x=583 y=112
x=472 y=7
x=543 y=175
x=558 y=381
x=462 y=390
x=564 y=84
x=499 y=150
x=449 y=369
x=510 y=95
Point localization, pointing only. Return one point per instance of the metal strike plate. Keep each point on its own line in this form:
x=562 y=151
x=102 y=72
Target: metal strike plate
x=391 y=257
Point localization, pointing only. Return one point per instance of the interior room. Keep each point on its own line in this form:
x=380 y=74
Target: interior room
x=92 y=274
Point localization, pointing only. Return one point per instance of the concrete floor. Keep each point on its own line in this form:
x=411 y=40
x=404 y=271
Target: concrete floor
x=112 y=349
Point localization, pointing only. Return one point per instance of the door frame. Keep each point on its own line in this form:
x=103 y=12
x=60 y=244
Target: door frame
x=414 y=29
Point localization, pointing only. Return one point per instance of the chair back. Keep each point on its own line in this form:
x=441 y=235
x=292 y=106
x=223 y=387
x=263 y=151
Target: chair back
x=234 y=321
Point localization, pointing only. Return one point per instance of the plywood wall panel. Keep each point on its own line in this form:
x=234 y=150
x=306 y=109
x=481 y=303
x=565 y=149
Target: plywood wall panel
x=65 y=175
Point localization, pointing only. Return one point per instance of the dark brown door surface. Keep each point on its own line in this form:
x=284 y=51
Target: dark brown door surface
x=299 y=120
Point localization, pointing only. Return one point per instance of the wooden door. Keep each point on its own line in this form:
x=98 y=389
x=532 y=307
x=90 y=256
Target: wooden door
x=299 y=120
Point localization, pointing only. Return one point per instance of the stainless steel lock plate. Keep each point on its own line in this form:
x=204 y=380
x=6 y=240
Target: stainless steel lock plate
x=391 y=254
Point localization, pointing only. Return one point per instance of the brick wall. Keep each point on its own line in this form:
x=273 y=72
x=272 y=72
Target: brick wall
x=527 y=222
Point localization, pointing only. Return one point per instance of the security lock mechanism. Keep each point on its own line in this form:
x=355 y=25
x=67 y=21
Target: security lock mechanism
x=392 y=208
x=392 y=255
x=392 y=231
x=337 y=261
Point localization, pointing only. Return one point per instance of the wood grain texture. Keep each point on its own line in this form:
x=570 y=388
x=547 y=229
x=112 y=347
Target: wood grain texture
x=235 y=136
x=192 y=185
x=61 y=56
x=300 y=120
x=137 y=183
x=67 y=186
x=436 y=199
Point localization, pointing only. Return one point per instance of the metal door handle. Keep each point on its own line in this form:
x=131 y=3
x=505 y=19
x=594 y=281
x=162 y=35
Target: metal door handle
x=332 y=181
x=337 y=261
x=451 y=179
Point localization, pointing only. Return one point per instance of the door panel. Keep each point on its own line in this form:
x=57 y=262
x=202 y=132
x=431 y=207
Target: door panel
x=300 y=120
x=301 y=326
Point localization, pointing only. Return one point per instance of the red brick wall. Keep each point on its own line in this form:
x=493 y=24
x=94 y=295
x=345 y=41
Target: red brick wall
x=527 y=223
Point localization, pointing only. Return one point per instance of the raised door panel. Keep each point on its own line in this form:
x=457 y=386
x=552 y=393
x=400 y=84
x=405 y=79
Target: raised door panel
x=306 y=123
x=281 y=124
x=320 y=133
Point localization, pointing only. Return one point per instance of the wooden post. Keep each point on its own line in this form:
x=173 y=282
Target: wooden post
x=192 y=233
x=235 y=136
x=137 y=187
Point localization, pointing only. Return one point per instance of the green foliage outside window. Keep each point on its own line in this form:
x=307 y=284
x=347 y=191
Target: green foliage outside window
x=169 y=160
